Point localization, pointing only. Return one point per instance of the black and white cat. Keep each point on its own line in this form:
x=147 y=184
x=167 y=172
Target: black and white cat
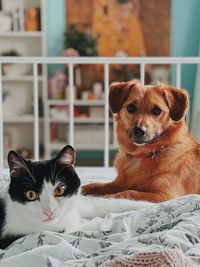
x=44 y=195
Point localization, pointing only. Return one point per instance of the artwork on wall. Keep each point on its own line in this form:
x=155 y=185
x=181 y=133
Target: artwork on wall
x=118 y=22
x=121 y=28
x=124 y=27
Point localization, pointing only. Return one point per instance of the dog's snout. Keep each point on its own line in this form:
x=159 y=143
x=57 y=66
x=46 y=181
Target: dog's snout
x=138 y=132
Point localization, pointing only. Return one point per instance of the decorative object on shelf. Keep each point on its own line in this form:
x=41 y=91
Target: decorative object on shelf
x=18 y=19
x=84 y=43
x=9 y=104
x=159 y=74
x=5 y=22
x=67 y=93
x=97 y=90
x=54 y=133
x=13 y=69
x=5 y=94
x=71 y=52
x=59 y=113
x=87 y=95
x=57 y=85
x=96 y=112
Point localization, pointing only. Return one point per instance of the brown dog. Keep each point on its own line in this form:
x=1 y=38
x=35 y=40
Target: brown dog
x=158 y=159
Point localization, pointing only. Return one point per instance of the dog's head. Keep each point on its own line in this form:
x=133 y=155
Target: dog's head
x=145 y=112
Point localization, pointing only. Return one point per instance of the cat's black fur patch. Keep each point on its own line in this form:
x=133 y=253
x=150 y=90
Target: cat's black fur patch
x=26 y=175
x=7 y=240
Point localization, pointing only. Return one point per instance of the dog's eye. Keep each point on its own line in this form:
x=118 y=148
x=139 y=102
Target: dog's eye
x=131 y=108
x=156 y=111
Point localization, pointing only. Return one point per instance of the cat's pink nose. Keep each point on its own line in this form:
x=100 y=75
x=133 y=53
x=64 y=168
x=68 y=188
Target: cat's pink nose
x=49 y=213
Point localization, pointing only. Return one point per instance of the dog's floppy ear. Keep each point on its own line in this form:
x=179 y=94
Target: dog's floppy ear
x=119 y=92
x=177 y=101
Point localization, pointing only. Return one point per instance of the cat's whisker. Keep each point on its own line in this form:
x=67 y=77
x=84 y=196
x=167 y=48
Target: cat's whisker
x=26 y=178
x=54 y=169
x=51 y=171
x=33 y=172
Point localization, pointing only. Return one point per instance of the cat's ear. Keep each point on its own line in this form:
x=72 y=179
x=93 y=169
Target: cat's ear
x=17 y=164
x=67 y=156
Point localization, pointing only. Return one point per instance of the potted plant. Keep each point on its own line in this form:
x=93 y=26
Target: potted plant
x=14 y=69
x=84 y=43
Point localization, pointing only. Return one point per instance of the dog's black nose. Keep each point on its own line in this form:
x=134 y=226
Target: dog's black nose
x=138 y=132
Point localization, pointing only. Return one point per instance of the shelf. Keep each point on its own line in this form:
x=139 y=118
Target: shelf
x=58 y=146
x=20 y=34
x=76 y=102
x=80 y=120
x=54 y=102
x=20 y=120
x=89 y=102
x=57 y=121
x=23 y=78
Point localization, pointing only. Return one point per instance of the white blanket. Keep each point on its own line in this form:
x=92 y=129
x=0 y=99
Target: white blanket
x=172 y=224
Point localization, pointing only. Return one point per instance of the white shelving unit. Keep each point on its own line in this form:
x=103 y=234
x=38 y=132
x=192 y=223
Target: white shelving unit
x=88 y=130
x=22 y=78
x=20 y=34
x=18 y=85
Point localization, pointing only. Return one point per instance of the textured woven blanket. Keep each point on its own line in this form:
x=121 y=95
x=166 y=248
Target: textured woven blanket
x=164 y=258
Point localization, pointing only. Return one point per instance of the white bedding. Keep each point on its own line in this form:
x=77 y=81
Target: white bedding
x=173 y=224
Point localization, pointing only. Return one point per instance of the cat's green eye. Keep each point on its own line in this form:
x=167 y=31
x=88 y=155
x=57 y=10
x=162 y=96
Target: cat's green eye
x=31 y=195
x=60 y=190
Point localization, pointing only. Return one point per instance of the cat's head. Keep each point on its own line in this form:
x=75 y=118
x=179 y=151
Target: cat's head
x=45 y=189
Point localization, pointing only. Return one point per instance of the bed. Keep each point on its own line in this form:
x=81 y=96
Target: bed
x=168 y=233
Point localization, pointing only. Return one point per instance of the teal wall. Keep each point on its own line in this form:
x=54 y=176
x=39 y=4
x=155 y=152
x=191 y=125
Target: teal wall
x=185 y=36
x=56 y=25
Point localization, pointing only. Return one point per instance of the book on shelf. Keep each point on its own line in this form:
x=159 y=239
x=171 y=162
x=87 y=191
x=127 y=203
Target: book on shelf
x=26 y=19
x=18 y=19
x=32 y=19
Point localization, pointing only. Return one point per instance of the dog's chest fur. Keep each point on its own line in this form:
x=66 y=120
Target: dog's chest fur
x=136 y=170
x=139 y=173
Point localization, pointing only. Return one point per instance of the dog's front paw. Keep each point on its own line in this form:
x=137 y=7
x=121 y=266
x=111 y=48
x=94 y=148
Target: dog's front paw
x=89 y=189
